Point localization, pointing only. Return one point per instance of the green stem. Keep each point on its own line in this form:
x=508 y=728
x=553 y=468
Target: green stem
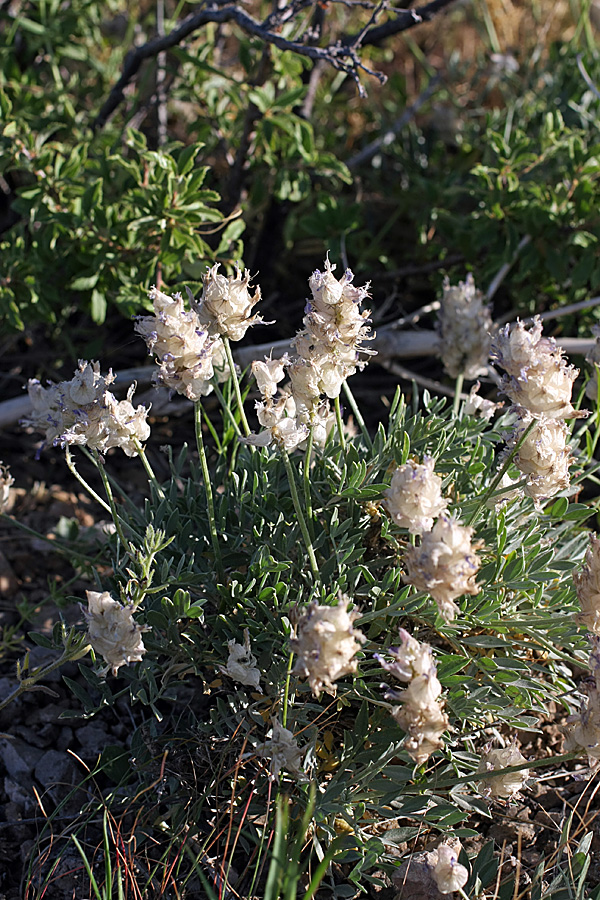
x=149 y=470
x=488 y=493
x=358 y=416
x=306 y=480
x=236 y=386
x=340 y=424
x=28 y=684
x=210 y=502
x=83 y=482
x=457 y=394
x=113 y=506
x=300 y=514
x=286 y=692
x=225 y=407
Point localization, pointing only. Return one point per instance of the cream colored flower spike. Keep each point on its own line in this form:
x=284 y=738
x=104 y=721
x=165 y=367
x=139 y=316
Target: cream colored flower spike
x=326 y=645
x=112 y=630
x=445 y=564
x=414 y=497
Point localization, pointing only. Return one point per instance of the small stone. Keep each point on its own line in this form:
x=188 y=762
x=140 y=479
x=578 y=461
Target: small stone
x=19 y=759
x=93 y=739
x=54 y=768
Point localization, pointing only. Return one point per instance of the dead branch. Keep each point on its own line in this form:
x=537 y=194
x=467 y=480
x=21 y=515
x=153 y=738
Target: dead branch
x=342 y=55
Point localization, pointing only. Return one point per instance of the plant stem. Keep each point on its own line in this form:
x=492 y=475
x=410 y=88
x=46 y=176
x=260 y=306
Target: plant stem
x=358 y=415
x=457 y=392
x=300 y=514
x=210 y=503
x=225 y=407
x=28 y=684
x=236 y=386
x=286 y=692
x=113 y=506
x=149 y=470
x=83 y=482
x=306 y=479
x=340 y=424
x=56 y=545
x=488 y=493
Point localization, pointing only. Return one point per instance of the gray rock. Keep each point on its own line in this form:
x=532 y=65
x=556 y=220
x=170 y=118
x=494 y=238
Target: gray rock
x=55 y=768
x=19 y=759
x=21 y=800
x=93 y=739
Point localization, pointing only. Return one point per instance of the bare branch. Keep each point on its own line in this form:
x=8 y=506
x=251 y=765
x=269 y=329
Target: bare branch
x=404 y=19
x=342 y=54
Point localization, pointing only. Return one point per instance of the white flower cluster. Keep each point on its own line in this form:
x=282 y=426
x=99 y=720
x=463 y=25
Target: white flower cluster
x=414 y=497
x=583 y=730
x=283 y=752
x=326 y=643
x=421 y=713
x=6 y=482
x=537 y=376
x=464 y=325
x=112 y=631
x=544 y=456
x=497 y=783
x=328 y=348
x=83 y=411
x=540 y=383
x=445 y=564
x=185 y=352
x=241 y=664
x=587 y=585
x=226 y=303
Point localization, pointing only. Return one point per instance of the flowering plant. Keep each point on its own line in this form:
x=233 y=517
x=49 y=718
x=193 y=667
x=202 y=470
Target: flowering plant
x=343 y=608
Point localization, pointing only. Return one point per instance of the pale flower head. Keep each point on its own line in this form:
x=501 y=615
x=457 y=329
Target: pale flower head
x=421 y=712
x=449 y=874
x=283 y=752
x=127 y=425
x=269 y=373
x=424 y=724
x=226 y=303
x=412 y=658
x=6 y=482
x=326 y=644
x=445 y=564
x=61 y=407
x=498 y=783
x=101 y=422
x=414 y=497
x=112 y=630
x=543 y=456
x=464 y=326
x=187 y=356
x=587 y=585
x=241 y=664
x=538 y=378
x=583 y=729
x=334 y=329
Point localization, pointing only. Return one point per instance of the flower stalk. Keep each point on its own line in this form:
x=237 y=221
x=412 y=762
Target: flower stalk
x=236 y=386
x=210 y=502
x=301 y=520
